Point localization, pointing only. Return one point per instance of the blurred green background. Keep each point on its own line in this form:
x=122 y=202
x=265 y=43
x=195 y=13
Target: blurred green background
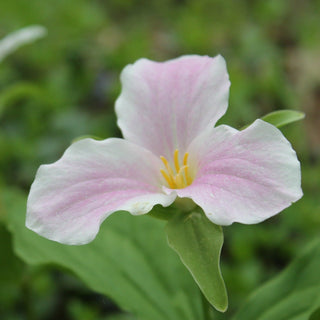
x=65 y=85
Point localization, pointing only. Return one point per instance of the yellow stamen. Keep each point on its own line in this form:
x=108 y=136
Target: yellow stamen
x=185 y=158
x=180 y=178
x=176 y=160
x=167 y=165
x=170 y=183
x=186 y=168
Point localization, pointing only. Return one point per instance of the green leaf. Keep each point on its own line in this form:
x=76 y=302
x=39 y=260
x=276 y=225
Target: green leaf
x=294 y=294
x=315 y=315
x=120 y=317
x=18 y=91
x=11 y=273
x=198 y=242
x=11 y=270
x=129 y=261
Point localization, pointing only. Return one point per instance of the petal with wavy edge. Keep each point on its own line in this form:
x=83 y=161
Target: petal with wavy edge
x=70 y=198
x=165 y=105
x=243 y=176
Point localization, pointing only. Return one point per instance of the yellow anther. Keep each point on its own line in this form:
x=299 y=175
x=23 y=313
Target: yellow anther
x=180 y=178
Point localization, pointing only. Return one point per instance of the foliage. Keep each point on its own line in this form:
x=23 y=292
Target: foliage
x=294 y=294
x=135 y=269
x=64 y=86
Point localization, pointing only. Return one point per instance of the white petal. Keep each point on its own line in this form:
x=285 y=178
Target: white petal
x=243 y=176
x=70 y=198
x=165 y=105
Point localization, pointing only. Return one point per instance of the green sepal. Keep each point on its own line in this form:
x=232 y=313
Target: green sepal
x=162 y=213
x=198 y=242
x=281 y=118
x=86 y=136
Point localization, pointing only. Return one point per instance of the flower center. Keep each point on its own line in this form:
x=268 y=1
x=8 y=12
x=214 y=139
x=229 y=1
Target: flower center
x=179 y=177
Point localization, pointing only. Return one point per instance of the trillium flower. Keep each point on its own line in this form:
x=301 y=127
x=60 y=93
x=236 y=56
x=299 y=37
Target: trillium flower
x=171 y=149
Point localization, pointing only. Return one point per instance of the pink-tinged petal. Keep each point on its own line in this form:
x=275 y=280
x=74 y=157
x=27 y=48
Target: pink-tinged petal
x=243 y=176
x=165 y=105
x=70 y=198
